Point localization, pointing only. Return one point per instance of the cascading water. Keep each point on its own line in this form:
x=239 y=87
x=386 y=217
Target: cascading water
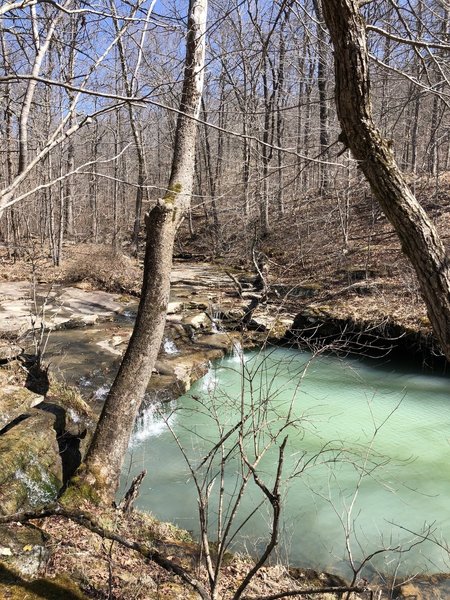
x=238 y=352
x=214 y=315
x=150 y=423
x=169 y=346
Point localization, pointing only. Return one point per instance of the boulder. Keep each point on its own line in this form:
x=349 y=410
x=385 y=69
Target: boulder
x=31 y=472
x=198 y=321
x=423 y=587
x=9 y=351
x=15 y=587
x=14 y=402
x=24 y=548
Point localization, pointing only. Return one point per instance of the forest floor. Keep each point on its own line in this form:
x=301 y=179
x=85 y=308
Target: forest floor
x=365 y=293
x=344 y=248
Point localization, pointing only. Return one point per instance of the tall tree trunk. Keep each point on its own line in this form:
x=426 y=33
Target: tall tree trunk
x=417 y=234
x=322 y=75
x=141 y=194
x=101 y=470
x=93 y=184
x=212 y=177
x=41 y=47
x=8 y=129
x=281 y=103
x=69 y=189
x=267 y=138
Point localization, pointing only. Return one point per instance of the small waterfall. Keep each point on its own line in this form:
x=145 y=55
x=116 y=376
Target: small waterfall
x=129 y=314
x=209 y=381
x=214 y=314
x=238 y=352
x=84 y=382
x=150 y=423
x=101 y=392
x=169 y=346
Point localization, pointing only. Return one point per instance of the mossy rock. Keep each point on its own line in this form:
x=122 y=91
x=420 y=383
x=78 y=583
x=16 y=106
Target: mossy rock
x=78 y=492
x=24 y=548
x=14 y=402
x=31 y=472
x=74 y=417
x=15 y=587
x=69 y=398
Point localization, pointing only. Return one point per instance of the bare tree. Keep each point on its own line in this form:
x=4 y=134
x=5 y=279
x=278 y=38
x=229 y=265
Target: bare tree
x=102 y=467
x=72 y=119
x=418 y=236
x=130 y=84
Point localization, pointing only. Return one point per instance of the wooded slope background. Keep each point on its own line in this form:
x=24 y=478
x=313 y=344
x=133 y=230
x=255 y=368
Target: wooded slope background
x=89 y=95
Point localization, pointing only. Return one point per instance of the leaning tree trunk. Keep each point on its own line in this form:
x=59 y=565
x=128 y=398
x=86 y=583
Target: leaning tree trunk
x=101 y=469
x=418 y=236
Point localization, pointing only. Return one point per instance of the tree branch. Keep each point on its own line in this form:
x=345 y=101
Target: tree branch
x=89 y=522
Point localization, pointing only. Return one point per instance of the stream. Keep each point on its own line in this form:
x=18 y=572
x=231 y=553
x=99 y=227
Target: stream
x=366 y=457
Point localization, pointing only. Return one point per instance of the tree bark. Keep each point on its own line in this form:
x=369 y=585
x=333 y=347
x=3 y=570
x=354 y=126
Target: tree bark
x=102 y=467
x=418 y=236
x=322 y=75
x=141 y=193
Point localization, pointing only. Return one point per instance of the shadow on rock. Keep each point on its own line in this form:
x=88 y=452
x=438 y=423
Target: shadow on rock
x=39 y=589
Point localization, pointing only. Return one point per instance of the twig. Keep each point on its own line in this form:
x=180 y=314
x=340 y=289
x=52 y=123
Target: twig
x=311 y=591
x=236 y=282
x=126 y=504
x=88 y=522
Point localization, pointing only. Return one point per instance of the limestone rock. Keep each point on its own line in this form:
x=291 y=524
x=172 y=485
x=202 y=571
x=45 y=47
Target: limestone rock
x=275 y=324
x=15 y=401
x=82 y=302
x=198 y=321
x=27 y=548
x=174 y=308
x=31 y=473
x=9 y=350
x=432 y=587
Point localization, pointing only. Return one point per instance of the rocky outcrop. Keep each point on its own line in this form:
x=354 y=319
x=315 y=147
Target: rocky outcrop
x=15 y=587
x=23 y=548
x=14 y=402
x=57 y=307
x=42 y=441
x=31 y=473
x=425 y=587
x=316 y=328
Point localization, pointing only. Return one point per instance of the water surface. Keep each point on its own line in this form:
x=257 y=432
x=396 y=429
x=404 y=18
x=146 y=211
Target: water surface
x=366 y=458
